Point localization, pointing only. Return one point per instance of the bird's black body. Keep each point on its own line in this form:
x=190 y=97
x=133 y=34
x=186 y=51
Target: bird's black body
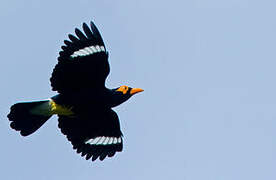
x=84 y=104
x=104 y=98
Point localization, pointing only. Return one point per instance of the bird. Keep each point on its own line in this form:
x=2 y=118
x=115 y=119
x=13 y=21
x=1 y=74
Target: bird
x=83 y=103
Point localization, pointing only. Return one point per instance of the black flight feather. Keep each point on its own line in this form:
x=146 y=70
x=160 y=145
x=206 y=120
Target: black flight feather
x=80 y=35
x=87 y=31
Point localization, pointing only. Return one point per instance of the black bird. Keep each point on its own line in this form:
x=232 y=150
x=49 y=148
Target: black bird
x=83 y=103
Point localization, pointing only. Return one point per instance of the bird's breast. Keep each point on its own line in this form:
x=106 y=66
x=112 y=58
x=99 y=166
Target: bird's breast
x=69 y=103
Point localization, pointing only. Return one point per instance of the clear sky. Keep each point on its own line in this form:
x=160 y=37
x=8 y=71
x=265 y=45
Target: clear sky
x=208 y=111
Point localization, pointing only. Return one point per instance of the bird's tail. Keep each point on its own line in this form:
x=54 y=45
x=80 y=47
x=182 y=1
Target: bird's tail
x=27 y=117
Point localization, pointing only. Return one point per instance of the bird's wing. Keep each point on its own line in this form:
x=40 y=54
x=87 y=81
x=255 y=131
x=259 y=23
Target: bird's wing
x=82 y=62
x=95 y=134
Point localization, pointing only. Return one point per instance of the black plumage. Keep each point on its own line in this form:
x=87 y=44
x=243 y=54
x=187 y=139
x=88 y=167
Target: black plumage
x=85 y=71
x=84 y=104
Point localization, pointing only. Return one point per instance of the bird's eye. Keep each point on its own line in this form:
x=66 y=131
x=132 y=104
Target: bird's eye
x=123 y=89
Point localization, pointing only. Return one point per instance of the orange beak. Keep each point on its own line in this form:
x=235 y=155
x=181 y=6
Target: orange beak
x=136 y=90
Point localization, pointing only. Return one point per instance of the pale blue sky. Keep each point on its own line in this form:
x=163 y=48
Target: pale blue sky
x=208 y=111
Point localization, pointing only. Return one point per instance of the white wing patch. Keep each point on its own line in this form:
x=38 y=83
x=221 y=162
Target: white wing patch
x=88 y=51
x=102 y=140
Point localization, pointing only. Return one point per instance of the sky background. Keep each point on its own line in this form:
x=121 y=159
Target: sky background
x=208 y=69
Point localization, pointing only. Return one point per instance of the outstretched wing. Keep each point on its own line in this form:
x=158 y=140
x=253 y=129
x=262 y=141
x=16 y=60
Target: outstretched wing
x=83 y=62
x=95 y=135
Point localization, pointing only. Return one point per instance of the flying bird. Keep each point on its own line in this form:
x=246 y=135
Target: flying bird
x=83 y=103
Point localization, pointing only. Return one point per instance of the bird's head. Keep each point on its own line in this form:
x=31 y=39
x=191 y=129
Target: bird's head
x=123 y=93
